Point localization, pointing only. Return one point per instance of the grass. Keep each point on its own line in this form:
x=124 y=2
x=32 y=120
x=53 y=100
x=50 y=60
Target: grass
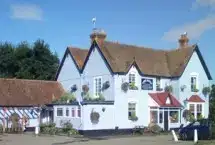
x=208 y=142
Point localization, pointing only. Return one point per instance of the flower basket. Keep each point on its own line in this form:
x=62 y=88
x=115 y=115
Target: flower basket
x=125 y=86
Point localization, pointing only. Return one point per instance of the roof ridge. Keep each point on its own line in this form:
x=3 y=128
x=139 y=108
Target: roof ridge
x=75 y=47
x=29 y=80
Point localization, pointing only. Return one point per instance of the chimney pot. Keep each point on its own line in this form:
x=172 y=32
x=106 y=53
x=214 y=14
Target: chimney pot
x=99 y=35
x=183 y=40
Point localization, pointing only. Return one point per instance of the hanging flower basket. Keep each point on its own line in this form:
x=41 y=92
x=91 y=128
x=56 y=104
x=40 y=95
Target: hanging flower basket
x=183 y=87
x=105 y=85
x=168 y=89
x=85 y=88
x=74 y=88
x=94 y=117
x=125 y=86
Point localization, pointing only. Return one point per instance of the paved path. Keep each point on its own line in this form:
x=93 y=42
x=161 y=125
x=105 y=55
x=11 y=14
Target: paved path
x=60 y=140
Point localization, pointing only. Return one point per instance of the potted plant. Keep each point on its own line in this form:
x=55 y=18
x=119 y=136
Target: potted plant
x=132 y=86
x=206 y=91
x=125 y=86
x=168 y=88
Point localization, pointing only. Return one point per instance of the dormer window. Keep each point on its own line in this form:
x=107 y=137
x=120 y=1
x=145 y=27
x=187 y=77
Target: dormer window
x=132 y=78
x=132 y=81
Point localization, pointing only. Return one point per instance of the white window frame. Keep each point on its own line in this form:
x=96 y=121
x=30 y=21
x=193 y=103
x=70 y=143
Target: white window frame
x=62 y=112
x=78 y=108
x=68 y=112
x=195 y=108
x=194 y=75
x=136 y=107
x=94 y=82
x=73 y=108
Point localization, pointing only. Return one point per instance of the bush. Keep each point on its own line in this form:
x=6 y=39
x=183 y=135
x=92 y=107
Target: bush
x=154 y=128
x=48 y=129
x=1 y=128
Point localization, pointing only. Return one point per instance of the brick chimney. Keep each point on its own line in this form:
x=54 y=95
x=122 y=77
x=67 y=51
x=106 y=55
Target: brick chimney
x=99 y=35
x=183 y=40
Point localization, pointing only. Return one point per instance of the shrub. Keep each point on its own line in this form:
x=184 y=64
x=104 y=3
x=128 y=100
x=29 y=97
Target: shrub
x=154 y=128
x=1 y=128
x=67 y=127
x=48 y=128
x=206 y=91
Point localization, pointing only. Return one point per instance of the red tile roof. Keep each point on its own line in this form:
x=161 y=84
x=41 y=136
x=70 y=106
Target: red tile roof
x=195 y=98
x=160 y=99
x=20 y=92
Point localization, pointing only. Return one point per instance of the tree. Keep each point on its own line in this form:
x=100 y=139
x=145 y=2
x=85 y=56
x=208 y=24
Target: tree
x=7 y=60
x=28 y=62
x=212 y=104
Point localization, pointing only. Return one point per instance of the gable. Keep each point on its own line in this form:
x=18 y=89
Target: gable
x=68 y=69
x=67 y=59
x=168 y=101
x=95 y=62
x=196 y=64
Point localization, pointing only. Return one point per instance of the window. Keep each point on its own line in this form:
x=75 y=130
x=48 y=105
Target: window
x=79 y=111
x=73 y=112
x=193 y=83
x=154 y=116
x=158 y=85
x=199 y=110
x=59 y=112
x=131 y=110
x=161 y=116
x=67 y=112
x=131 y=78
x=174 y=116
x=98 y=85
x=192 y=109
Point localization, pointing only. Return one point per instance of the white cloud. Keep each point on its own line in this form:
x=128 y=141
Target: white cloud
x=194 y=30
x=26 y=12
x=203 y=3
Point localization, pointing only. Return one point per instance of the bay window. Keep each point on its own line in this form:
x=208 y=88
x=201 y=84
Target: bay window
x=196 y=110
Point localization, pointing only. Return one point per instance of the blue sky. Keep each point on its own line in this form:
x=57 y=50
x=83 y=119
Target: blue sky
x=154 y=23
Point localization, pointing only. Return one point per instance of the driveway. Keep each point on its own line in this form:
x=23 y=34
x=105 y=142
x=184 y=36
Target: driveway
x=21 y=139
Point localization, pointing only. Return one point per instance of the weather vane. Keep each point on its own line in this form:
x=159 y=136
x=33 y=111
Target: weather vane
x=94 y=22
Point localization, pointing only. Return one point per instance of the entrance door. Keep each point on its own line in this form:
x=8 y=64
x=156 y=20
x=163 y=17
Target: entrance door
x=166 y=121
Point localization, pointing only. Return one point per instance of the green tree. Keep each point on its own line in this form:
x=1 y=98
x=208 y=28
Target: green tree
x=212 y=103
x=28 y=62
x=7 y=60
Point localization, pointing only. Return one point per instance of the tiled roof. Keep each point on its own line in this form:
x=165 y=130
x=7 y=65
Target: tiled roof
x=167 y=63
x=19 y=92
x=79 y=55
x=160 y=99
x=195 y=98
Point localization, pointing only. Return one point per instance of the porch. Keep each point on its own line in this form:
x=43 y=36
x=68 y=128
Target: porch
x=165 y=110
x=166 y=118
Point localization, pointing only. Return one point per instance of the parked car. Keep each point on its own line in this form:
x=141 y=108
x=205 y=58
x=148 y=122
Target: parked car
x=202 y=126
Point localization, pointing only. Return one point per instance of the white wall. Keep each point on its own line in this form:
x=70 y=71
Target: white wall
x=106 y=120
x=76 y=121
x=69 y=76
